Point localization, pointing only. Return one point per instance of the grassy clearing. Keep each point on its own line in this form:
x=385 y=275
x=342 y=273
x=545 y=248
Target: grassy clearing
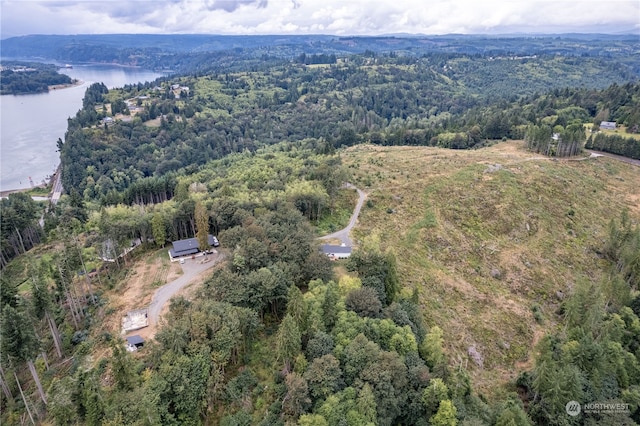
x=486 y=235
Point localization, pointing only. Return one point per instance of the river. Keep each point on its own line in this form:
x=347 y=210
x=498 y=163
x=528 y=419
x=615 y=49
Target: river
x=30 y=125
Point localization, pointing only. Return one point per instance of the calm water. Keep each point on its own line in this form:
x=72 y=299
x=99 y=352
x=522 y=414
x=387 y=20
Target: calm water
x=30 y=125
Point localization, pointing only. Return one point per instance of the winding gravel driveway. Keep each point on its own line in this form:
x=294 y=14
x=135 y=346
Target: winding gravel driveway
x=343 y=234
x=191 y=268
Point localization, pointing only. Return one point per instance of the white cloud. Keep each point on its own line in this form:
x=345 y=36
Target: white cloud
x=341 y=17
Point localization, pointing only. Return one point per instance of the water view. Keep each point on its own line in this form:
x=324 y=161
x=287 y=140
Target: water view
x=30 y=125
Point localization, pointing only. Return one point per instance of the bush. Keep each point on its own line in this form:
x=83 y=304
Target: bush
x=537 y=313
x=79 y=336
x=364 y=301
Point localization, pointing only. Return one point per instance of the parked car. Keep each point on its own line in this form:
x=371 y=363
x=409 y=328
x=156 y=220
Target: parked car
x=216 y=243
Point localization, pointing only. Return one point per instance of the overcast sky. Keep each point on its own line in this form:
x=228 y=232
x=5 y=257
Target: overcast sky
x=336 y=17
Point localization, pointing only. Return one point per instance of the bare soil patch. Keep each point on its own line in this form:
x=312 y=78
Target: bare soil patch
x=136 y=290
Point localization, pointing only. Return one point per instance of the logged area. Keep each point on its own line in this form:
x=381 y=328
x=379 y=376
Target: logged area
x=493 y=239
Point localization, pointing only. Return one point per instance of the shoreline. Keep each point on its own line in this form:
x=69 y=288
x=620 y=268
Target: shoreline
x=66 y=86
x=5 y=192
x=75 y=83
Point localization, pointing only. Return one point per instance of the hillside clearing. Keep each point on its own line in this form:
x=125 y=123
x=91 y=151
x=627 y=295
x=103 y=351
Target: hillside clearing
x=490 y=237
x=136 y=289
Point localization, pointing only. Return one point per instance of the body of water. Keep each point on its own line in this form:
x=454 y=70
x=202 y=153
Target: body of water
x=30 y=125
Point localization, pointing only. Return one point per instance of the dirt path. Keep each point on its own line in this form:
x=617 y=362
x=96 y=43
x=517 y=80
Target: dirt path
x=614 y=156
x=192 y=269
x=343 y=234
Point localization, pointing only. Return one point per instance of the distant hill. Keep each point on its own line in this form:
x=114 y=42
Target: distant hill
x=162 y=51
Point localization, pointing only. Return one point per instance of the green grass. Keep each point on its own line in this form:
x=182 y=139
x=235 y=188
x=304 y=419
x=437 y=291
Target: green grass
x=39 y=191
x=622 y=131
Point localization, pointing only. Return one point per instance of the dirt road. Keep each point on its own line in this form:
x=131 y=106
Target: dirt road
x=343 y=234
x=192 y=268
x=614 y=156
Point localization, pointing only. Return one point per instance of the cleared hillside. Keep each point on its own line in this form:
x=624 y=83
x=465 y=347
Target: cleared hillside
x=494 y=239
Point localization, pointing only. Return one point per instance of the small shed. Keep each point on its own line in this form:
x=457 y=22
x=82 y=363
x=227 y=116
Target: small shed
x=336 y=252
x=134 y=343
x=608 y=125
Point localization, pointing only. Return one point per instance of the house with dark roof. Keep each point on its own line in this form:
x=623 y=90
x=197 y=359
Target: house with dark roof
x=189 y=247
x=336 y=252
x=134 y=343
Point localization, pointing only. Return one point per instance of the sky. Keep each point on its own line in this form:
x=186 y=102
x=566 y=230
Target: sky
x=333 y=17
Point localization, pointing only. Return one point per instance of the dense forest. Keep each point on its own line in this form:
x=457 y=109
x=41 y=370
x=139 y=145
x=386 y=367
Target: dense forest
x=273 y=337
x=248 y=149
x=29 y=77
x=388 y=100
x=19 y=228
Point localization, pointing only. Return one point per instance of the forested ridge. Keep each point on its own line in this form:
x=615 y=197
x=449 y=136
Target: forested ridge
x=387 y=100
x=280 y=335
x=198 y=52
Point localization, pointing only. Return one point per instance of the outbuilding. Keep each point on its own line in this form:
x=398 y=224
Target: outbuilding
x=134 y=343
x=336 y=252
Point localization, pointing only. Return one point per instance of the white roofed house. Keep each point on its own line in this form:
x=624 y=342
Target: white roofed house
x=336 y=252
x=608 y=125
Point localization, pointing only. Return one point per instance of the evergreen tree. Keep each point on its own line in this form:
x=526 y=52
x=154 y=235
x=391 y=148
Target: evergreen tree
x=18 y=341
x=288 y=341
x=123 y=367
x=297 y=307
x=391 y=280
x=158 y=229
x=330 y=304
x=202 y=226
